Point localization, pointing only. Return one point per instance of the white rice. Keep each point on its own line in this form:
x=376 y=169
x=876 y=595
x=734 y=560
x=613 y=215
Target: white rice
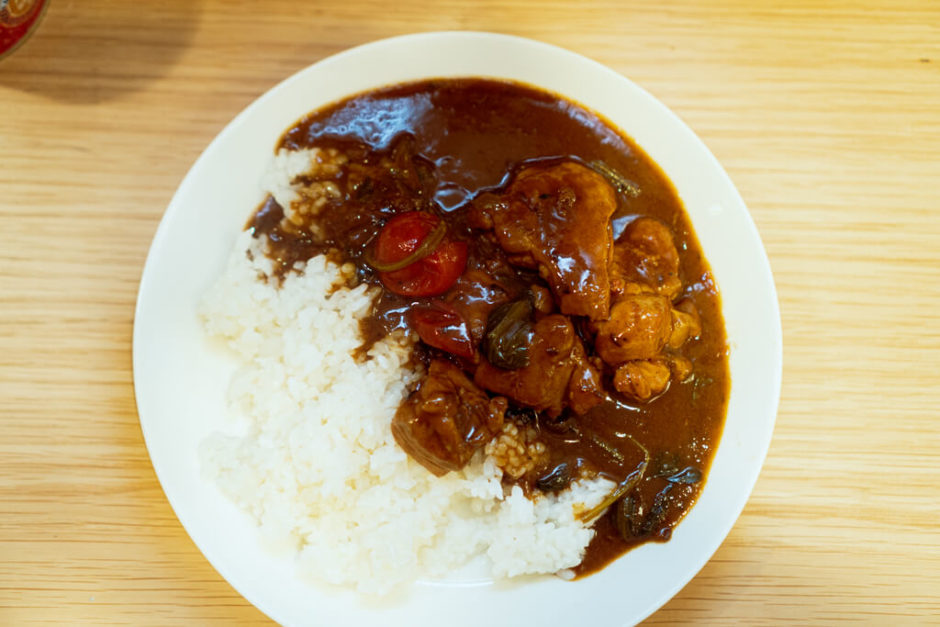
x=317 y=467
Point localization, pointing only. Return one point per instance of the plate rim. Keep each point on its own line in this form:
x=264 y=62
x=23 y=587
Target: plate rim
x=775 y=373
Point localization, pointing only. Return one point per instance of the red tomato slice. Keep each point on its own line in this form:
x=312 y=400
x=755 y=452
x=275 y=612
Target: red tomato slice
x=439 y=325
x=430 y=276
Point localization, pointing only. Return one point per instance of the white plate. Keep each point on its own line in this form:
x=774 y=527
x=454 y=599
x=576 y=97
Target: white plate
x=180 y=381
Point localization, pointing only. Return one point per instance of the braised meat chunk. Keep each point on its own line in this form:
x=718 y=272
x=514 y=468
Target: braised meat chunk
x=557 y=371
x=474 y=296
x=638 y=328
x=643 y=379
x=585 y=390
x=645 y=259
x=556 y=218
x=447 y=419
x=640 y=339
x=686 y=323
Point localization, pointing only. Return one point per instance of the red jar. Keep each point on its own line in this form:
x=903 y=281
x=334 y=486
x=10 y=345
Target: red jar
x=18 y=20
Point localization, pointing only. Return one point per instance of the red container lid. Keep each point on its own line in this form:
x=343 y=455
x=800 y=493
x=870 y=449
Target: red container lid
x=18 y=19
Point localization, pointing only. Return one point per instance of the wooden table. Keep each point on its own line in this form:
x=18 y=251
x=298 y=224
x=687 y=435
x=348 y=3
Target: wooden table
x=825 y=114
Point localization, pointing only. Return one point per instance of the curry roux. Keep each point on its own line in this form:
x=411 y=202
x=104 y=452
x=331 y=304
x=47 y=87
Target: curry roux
x=465 y=136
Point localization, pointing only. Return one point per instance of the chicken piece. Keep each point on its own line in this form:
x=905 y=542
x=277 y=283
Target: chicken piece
x=686 y=323
x=645 y=259
x=556 y=218
x=680 y=366
x=541 y=299
x=638 y=328
x=447 y=419
x=557 y=371
x=584 y=386
x=643 y=379
x=473 y=297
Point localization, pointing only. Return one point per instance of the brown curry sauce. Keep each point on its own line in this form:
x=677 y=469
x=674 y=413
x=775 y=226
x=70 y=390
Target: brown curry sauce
x=452 y=140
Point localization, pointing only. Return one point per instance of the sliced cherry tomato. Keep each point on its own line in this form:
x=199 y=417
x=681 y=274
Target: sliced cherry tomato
x=430 y=275
x=439 y=325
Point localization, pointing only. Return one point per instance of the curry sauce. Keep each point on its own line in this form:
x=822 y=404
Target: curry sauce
x=450 y=147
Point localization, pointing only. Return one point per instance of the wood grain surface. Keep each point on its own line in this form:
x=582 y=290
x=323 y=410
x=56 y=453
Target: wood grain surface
x=825 y=114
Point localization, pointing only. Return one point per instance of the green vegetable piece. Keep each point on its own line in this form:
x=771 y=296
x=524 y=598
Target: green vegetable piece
x=628 y=518
x=621 y=183
x=558 y=479
x=427 y=246
x=622 y=488
x=657 y=513
x=687 y=476
x=508 y=335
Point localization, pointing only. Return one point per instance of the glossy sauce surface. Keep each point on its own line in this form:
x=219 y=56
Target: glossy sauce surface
x=438 y=145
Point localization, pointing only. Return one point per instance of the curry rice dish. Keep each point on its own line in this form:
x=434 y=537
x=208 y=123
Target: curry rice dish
x=473 y=320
